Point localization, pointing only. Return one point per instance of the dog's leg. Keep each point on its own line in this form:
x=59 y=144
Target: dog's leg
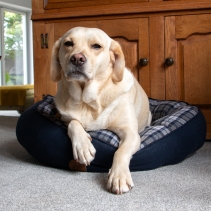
x=120 y=180
x=83 y=150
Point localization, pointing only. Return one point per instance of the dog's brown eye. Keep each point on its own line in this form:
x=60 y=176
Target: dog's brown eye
x=69 y=43
x=96 y=46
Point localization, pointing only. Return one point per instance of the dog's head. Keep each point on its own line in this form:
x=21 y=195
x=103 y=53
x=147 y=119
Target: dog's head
x=83 y=54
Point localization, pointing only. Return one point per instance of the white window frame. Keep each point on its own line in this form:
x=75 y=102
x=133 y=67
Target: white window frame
x=28 y=48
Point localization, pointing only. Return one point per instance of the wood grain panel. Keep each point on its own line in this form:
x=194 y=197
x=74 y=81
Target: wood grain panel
x=171 y=51
x=197 y=69
x=51 y=86
x=157 y=73
x=37 y=6
x=144 y=72
x=188 y=25
x=180 y=71
x=127 y=28
x=114 y=28
x=55 y=4
x=82 y=1
x=207 y=114
x=177 y=0
x=208 y=132
x=63 y=27
x=40 y=64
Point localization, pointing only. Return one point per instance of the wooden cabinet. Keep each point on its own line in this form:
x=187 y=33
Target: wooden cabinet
x=188 y=41
x=153 y=30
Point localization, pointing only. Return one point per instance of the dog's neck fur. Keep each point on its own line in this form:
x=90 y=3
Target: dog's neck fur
x=85 y=93
x=92 y=92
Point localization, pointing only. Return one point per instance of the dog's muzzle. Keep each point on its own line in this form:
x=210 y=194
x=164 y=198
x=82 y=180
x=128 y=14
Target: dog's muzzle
x=77 y=67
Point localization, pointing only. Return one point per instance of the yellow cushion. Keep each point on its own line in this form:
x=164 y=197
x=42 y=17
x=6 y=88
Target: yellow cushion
x=14 y=95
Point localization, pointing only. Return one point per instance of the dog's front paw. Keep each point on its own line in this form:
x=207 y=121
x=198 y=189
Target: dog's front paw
x=119 y=180
x=83 y=150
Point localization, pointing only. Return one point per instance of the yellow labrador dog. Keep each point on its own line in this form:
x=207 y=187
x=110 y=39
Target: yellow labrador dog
x=96 y=91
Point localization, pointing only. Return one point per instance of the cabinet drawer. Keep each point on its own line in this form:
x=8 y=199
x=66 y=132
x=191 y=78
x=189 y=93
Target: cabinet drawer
x=56 y=4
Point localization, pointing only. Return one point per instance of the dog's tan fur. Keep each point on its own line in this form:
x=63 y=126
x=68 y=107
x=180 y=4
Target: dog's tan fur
x=100 y=94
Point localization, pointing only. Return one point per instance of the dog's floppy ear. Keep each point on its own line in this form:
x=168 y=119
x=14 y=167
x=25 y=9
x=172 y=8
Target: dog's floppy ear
x=118 y=60
x=55 y=63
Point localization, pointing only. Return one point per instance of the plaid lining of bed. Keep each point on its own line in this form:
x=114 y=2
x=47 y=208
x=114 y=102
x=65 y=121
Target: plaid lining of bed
x=167 y=116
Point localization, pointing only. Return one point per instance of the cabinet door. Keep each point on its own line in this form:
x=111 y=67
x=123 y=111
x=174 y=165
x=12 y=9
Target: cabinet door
x=188 y=42
x=131 y=36
x=42 y=55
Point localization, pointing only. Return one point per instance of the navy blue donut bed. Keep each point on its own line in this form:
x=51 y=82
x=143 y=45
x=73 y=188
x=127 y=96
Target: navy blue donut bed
x=177 y=130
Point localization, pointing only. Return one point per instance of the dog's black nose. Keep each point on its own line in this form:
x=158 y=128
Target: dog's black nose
x=78 y=59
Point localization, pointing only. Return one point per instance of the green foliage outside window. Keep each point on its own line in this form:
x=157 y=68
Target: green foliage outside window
x=13 y=34
x=13 y=47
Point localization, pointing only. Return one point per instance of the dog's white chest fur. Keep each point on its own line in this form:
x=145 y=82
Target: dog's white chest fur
x=92 y=120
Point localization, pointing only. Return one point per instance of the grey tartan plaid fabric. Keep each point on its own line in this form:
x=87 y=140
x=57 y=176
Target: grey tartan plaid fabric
x=167 y=116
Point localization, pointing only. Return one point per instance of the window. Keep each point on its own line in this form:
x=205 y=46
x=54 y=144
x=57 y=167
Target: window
x=15 y=50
